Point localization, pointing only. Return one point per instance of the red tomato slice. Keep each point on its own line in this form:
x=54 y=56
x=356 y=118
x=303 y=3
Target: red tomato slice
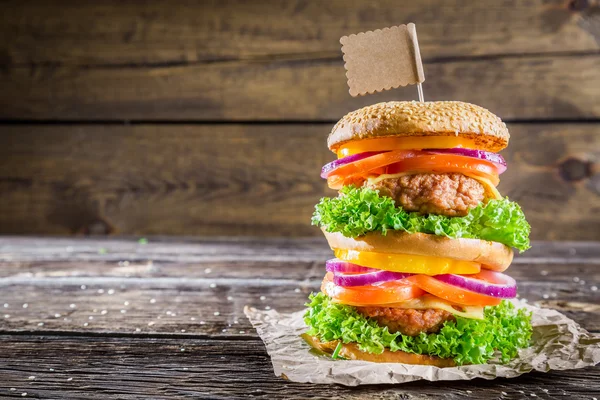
x=447 y=163
x=383 y=293
x=349 y=172
x=398 y=161
x=452 y=293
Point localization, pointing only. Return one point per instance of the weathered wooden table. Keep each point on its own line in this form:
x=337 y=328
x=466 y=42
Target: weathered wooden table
x=121 y=318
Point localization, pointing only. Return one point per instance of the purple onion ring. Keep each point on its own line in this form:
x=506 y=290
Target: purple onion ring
x=506 y=288
x=332 y=166
x=495 y=158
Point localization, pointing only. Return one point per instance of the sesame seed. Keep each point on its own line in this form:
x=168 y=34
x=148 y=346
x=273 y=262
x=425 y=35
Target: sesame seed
x=151 y=323
x=182 y=349
x=90 y=317
x=207 y=271
x=13 y=389
x=183 y=331
x=594 y=288
x=111 y=291
x=25 y=305
x=100 y=291
x=545 y=296
x=57 y=315
x=5 y=305
x=216 y=313
x=575 y=279
x=263 y=298
x=72 y=306
x=213 y=285
x=126 y=303
x=69 y=379
x=229 y=298
x=297 y=290
x=152 y=301
x=543 y=272
x=83 y=287
x=242 y=332
x=40 y=324
x=6 y=315
x=85 y=324
x=267 y=307
x=192 y=318
x=123 y=311
x=23 y=394
x=31 y=378
x=138 y=330
x=202 y=322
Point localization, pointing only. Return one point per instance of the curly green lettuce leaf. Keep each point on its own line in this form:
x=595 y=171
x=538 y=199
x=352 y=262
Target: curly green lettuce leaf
x=358 y=211
x=502 y=332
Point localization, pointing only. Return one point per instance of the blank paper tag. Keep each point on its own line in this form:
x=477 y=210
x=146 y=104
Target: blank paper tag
x=383 y=59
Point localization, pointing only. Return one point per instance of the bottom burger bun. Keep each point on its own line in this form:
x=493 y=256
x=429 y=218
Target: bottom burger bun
x=351 y=351
x=494 y=256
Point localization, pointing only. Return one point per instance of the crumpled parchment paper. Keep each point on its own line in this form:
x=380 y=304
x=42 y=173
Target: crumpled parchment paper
x=559 y=343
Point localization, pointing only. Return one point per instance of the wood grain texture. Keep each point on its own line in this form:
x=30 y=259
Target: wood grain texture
x=163 y=288
x=187 y=305
x=127 y=32
x=249 y=179
x=157 y=368
x=524 y=87
x=200 y=250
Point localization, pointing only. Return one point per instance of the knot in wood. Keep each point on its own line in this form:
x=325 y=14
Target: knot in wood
x=98 y=227
x=574 y=169
x=579 y=5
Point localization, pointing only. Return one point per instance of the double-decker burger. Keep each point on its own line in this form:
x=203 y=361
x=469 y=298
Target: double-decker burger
x=421 y=238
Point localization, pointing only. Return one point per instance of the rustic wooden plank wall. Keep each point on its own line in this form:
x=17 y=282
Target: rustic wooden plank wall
x=210 y=118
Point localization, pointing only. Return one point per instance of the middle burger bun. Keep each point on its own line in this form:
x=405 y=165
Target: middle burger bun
x=494 y=256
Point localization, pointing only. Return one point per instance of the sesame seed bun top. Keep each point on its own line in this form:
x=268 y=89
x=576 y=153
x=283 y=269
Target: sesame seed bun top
x=412 y=118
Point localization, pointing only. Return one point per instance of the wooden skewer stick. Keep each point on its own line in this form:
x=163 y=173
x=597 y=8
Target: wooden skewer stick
x=420 y=90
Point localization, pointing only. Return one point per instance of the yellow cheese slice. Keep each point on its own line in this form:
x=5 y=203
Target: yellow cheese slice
x=430 y=301
x=372 y=180
x=488 y=186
